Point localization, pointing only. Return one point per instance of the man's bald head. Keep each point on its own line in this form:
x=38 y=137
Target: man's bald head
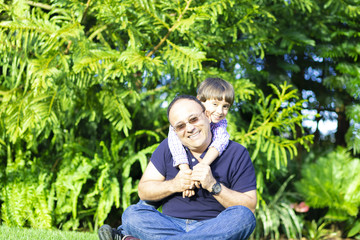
x=180 y=97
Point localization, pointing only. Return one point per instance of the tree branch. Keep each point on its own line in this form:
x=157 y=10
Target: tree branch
x=40 y=5
x=85 y=12
x=170 y=30
x=68 y=48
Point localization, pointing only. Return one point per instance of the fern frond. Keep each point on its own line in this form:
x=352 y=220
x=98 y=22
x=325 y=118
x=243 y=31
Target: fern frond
x=94 y=60
x=244 y=89
x=303 y=5
x=153 y=10
x=43 y=73
x=269 y=131
x=185 y=58
x=37 y=25
x=117 y=113
x=353 y=134
x=69 y=183
x=212 y=10
x=30 y=114
x=138 y=60
x=25 y=201
x=109 y=195
x=107 y=186
x=128 y=187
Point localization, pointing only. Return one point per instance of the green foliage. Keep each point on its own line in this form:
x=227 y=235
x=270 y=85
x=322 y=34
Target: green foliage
x=317 y=230
x=272 y=133
x=26 y=194
x=277 y=215
x=84 y=88
x=332 y=182
x=354 y=228
x=352 y=136
x=316 y=50
x=26 y=205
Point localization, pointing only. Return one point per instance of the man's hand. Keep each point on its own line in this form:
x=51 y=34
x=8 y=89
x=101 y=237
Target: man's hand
x=202 y=173
x=182 y=181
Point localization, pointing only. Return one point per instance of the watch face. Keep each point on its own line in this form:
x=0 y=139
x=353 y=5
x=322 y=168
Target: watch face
x=216 y=188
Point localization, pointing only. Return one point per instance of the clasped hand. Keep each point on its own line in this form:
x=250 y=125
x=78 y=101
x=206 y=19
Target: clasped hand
x=200 y=176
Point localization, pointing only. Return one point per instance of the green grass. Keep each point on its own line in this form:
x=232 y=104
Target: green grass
x=13 y=233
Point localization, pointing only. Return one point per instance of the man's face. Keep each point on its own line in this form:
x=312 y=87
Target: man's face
x=190 y=124
x=216 y=109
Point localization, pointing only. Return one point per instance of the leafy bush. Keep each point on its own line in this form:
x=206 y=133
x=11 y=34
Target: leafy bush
x=333 y=182
x=277 y=217
x=83 y=95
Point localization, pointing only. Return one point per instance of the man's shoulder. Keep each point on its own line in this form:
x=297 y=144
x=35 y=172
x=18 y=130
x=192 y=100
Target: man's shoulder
x=236 y=146
x=235 y=149
x=164 y=145
x=165 y=142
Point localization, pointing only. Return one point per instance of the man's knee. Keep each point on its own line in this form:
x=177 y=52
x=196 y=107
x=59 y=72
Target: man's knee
x=240 y=209
x=126 y=216
x=134 y=213
x=244 y=220
x=243 y=213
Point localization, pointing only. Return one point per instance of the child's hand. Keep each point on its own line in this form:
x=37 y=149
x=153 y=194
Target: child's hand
x=188 y=193
x=191 y=192
x=197 y=184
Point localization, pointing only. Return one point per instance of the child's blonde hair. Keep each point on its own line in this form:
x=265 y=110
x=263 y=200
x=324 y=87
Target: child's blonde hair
x=215 y=88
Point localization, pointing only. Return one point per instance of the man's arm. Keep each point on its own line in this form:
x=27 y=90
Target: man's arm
x=154 y=187
x=227 y=197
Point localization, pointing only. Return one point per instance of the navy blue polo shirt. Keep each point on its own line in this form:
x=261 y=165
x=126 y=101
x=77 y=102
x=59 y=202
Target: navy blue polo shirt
x=233 y=169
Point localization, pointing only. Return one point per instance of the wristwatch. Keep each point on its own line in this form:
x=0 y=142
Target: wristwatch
x=216 y=188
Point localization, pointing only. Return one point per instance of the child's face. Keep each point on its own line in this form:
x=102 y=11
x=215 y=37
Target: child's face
x=216 y=110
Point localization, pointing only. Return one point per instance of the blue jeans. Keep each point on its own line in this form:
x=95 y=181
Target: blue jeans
x=145 y=222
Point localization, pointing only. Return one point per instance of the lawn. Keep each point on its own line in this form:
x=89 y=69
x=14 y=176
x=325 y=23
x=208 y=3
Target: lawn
x=12 y=233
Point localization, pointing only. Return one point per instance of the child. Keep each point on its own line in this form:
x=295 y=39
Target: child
x=217 y=95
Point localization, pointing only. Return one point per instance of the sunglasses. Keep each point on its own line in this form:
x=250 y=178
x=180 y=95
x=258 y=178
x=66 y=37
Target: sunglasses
x=192 y=120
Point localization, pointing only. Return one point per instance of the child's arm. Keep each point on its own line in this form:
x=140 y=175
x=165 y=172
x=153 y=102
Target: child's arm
x=176 y=148
x=179 y=156
x=188 y=192
x=220 y=141
x=210 y=156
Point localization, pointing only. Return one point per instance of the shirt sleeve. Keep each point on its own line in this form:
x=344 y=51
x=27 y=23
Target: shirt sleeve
x=176 y=148
x=220 y=136
x=242 y=172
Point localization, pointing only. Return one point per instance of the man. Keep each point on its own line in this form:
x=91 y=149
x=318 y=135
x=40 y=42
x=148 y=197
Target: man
x=223 y=205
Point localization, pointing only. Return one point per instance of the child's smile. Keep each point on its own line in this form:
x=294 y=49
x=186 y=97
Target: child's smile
x=216 y=109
